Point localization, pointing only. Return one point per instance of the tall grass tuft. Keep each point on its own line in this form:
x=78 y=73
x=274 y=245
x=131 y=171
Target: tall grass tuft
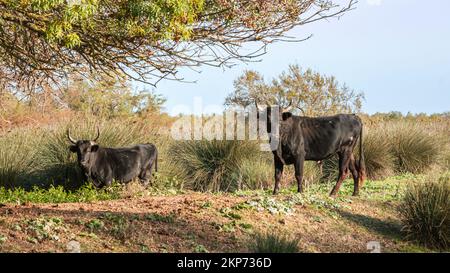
x=330 y=169
x=17 y=154
x=378 y=158
x=425 y=212
x=414 y=150
x=212 y=165
x=273 y=243
x=256 y=174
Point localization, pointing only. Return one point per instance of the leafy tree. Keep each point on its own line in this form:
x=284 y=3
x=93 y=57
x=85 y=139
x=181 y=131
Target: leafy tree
x=109 y=98
x=43 y=41
x=309 y=92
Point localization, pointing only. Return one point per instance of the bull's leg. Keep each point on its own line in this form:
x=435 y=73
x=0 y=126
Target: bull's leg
x=344 y=159
x=108 y=178
x=278 y=173
x=146 y=176
x=320 y=164
x=107 y=183
x=299 y=172
x=355 y=174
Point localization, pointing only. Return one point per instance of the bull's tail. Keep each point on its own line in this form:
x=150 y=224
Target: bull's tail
x=156 y=162
x=361 y=163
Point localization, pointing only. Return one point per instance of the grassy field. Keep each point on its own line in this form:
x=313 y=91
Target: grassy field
x=222 y=190
x=143 y=221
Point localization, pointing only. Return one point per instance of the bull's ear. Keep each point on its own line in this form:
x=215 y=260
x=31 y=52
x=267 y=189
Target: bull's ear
x=286 y=115
x=94 y=148
x=73 y=148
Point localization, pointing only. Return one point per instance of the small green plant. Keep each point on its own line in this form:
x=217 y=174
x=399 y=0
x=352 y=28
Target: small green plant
x=425 y=212
x=273 y=243
x=156 y=217
x=272 y=205
x=228 y=227
x=44 y=228
x=206 y=204
x=119 y=226
x=246 y=226
x=200 y=249
x=228 y=213
x=95 y=225
x=3 y=239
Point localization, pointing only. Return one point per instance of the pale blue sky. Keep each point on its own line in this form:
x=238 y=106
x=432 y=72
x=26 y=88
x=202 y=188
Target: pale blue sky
x=395 y=51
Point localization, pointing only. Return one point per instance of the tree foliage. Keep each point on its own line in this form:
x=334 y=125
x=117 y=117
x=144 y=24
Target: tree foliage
x=109 y=98
x=309 y=92
x=42 y=41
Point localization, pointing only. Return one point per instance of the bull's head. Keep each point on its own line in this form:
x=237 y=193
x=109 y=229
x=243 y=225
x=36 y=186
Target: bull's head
x=85 y=149
x=274 y=113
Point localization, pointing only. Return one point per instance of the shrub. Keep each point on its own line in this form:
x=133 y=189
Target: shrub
x=378 y=159
x=212 y=165
x=425 y=212
x=414 y=149
x=273 y=243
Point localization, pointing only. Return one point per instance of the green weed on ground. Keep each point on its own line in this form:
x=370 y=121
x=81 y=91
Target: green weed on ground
x=58 y=194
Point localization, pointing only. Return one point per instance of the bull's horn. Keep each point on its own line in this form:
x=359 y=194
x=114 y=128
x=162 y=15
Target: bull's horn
x=98 y=134
x=289 y=107
x=69 y=137
x=258 y=107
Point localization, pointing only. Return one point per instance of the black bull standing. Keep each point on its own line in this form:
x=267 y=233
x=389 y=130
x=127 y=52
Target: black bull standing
x=103 y=165
x=304 y=138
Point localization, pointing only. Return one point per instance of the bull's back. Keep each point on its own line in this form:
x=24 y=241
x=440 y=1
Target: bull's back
x=126 y=163
x=324 y=136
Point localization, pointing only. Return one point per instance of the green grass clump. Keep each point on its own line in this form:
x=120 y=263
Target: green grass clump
x=17 y=157
x=156 y=217
x=378 y=159
x=256 y=174
x=414 y=149
x=425 y=211
x=273 y=243
x=118 y=226
x=212 y=165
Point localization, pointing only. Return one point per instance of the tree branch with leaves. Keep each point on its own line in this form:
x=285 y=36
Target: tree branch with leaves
x=143 y=40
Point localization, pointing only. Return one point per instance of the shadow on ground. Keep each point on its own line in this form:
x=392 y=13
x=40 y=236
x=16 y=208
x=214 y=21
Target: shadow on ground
x=389 y=228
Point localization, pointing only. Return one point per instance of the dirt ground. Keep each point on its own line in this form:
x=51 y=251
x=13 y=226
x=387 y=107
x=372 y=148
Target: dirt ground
x=201 y=222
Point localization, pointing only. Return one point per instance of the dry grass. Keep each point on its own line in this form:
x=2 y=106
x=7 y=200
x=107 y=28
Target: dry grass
x=212 y=165
x=425 y=211
x=414 y=148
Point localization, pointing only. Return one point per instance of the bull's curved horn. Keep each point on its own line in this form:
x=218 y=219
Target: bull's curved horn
x=69 y=137
x=98 y=134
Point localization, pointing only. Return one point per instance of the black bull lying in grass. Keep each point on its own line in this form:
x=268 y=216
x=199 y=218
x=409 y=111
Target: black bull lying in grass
x=305 y=138
x=103 y=165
